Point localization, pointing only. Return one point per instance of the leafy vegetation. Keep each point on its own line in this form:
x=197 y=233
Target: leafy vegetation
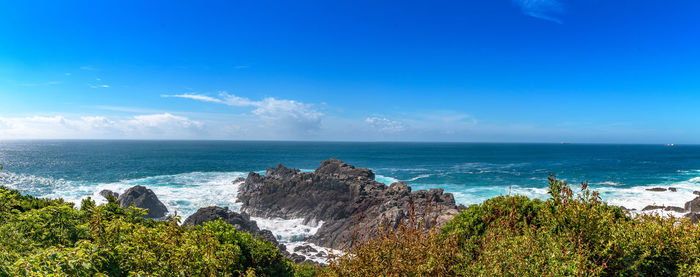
x=50 y=237
x=570 y=234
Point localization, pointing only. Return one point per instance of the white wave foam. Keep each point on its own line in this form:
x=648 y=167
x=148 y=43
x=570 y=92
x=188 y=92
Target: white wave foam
x=184 y=193
x=288 y=230
x=418 y=177
x=31 y=184
x=638 y=197
x=384 y=179
x=609 y=183
x=322 y=259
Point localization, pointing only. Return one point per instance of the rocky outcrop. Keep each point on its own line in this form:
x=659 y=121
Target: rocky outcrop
x=142 y=197
x=346 y=199
x=240 y=221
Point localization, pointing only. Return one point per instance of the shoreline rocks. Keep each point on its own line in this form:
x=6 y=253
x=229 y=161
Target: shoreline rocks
x=241 y=222
x=346 y=199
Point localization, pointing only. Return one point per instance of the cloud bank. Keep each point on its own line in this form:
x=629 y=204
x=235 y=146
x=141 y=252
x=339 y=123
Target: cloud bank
x=151 y=126
x=277 y=114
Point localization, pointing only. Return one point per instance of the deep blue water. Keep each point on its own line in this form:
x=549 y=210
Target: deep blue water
x=191 y=174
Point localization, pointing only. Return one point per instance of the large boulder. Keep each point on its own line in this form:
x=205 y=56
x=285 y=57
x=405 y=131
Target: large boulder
x=142 y=197
x=240 y=221
x=346 y=199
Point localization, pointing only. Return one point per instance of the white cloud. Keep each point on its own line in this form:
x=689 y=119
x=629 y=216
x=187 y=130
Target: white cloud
x=276 y=114
x=543 y=9
x=161 y=126
x=195 y=97
x=385 y=125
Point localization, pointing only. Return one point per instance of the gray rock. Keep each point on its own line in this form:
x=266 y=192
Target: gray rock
x=141 y=197
x=240 y=221
x=674 y=209
x=106 y=192
x=696 y=192
x=673 y=189
x=693 y=205
x=305 y=249
x=657 y=189
x=345 y=198
x=296 y=258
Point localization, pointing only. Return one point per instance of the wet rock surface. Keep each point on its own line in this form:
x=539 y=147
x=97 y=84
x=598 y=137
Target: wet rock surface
x=346 y=199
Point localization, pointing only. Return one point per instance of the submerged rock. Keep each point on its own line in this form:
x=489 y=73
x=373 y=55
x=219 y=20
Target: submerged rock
x=657 y=189
x=142 y=197
x=346 y=199
x=240 y=221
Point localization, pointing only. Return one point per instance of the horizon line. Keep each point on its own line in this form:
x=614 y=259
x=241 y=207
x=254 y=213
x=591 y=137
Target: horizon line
x=361 y=141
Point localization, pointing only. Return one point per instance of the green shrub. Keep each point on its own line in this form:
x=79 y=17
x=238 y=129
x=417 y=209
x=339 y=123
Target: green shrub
x=49 y=237
x=569 y=234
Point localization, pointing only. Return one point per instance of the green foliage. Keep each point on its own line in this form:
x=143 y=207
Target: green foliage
x=49 y=237
x=569 y=234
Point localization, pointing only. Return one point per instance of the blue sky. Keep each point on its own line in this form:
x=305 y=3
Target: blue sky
x=488 y=71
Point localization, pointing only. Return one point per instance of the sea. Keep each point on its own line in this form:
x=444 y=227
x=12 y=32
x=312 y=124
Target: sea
x=188 y=175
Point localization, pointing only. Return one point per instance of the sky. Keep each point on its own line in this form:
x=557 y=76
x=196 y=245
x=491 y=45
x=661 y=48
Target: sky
x=587 y=71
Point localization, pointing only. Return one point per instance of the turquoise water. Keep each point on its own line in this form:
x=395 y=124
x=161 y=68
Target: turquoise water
x=187 y=175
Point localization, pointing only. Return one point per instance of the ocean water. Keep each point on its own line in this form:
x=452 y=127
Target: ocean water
x=187 y=175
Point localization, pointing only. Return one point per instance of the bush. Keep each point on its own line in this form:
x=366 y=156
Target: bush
x=49 y=237
x=569 y=234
